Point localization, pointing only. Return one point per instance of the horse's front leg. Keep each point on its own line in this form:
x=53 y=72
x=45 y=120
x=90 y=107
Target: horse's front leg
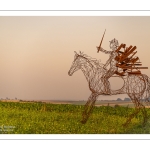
x=89 y=107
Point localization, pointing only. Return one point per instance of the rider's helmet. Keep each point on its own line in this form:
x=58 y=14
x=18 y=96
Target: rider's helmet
x=114 y=44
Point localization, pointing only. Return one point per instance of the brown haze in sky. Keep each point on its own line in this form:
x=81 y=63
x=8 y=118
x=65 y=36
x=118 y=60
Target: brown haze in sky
x=36 y=53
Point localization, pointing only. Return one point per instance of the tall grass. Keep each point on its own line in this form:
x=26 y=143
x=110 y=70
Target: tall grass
x=43 y=118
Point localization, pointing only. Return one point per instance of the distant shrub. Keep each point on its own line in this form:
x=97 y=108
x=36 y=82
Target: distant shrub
x=119 y=99
x=127 y=99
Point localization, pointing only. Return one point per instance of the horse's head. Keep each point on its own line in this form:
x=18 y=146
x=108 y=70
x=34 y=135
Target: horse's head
x=85 y=63
x=75 y=65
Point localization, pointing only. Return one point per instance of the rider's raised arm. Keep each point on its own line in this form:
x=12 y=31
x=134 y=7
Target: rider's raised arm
x=104 y=51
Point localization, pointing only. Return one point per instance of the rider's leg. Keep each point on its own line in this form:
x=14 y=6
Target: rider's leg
x=106 y=85
x=107 y=89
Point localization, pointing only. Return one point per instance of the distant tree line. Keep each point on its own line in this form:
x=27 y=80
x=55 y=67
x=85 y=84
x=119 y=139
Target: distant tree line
x=125 y=99
x=7 y=98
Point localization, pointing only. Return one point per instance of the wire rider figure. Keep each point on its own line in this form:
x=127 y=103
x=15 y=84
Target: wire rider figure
x=112 y=62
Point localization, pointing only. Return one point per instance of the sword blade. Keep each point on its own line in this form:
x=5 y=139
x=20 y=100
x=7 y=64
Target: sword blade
x=101 y=41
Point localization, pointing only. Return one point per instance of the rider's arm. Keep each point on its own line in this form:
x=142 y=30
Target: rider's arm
x=104 y=51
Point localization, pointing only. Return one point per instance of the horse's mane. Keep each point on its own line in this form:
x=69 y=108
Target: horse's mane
x=93 y=61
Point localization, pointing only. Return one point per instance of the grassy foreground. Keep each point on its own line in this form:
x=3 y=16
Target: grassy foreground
x=44 y=118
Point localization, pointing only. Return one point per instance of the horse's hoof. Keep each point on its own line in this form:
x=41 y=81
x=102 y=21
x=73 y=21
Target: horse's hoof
x=83 y=121
x=124 y=125
x=144 y=124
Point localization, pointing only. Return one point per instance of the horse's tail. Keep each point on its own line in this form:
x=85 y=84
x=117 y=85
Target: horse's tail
x=146 y=95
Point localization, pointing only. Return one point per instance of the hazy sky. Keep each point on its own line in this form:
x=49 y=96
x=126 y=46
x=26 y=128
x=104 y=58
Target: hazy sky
x=37 y=53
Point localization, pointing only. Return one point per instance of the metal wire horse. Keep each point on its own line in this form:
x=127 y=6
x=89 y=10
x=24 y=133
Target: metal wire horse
x=137 y=87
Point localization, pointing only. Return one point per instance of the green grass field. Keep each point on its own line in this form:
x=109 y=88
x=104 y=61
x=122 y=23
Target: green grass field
x=45 y=118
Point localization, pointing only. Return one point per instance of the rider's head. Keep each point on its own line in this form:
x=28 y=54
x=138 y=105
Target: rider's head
x=114 y=44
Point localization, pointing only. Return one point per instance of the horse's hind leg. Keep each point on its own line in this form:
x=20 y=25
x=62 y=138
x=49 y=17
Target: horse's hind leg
x=145 y=117
x=131 y=116
x=137 y=109
x=89 y=107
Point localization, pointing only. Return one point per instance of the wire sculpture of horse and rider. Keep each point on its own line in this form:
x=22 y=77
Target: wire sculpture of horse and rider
x=124 y=65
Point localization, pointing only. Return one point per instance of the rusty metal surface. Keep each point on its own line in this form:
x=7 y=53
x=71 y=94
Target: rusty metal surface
x=136 y=85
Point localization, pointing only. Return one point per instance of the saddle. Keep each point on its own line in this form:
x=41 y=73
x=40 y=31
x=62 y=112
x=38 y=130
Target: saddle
x=126 y=61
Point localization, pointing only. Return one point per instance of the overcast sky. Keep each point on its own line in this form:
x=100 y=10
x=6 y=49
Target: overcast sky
x=37 y=53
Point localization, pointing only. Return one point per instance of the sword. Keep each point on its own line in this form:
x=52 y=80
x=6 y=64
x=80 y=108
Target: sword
x=101 y=42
